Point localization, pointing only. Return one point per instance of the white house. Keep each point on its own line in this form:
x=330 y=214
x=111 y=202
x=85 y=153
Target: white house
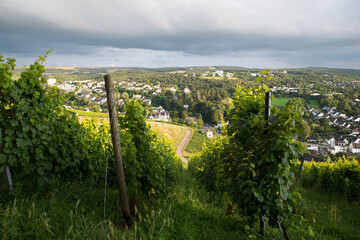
x=120 y=102
x=148 y=101
x=229 y=75
x=339 y=146
x=209 y=133
x=354 y=148
x=159 y=114
x=103 y=101
x=330 y=141
x=172 y=89
x=313 y=148
x=51 y=81
x=186 y=90
x=220 y=73
x=312 y=139
x=320 y=115
x=343 y=115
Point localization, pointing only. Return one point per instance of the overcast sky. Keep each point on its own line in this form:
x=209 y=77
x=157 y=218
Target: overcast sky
x=159 y=33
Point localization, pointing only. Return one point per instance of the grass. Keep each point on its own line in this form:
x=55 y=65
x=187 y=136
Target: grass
x=90 y=114
x=314 y=103
x=282 y=101
x=75 y=211
x=331 y=216
x=172 y=132
x=196 y=143
x=218 y=78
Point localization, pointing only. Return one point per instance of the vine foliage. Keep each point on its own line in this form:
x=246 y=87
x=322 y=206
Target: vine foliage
x=149 y=160
x=42 y=141
x=253 y=161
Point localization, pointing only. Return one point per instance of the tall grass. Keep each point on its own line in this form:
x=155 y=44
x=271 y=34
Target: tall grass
x=75 y=211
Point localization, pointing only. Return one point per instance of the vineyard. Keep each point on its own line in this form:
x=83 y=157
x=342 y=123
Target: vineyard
x=64 y=174
x=341 y=177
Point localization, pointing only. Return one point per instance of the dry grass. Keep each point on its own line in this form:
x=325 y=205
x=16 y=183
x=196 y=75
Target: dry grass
x=172 y=132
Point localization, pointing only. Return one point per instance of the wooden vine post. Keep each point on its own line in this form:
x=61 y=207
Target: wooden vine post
x=267 y=116
x=115 y=136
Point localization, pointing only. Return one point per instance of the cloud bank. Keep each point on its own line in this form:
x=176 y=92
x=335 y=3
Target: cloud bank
x=156 y=33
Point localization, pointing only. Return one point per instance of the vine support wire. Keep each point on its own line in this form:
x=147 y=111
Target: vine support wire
x=106 y=173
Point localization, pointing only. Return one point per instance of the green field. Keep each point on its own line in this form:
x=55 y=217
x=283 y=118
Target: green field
x=196 y=143
x=218 y=78
x=282 y=101
x=90 y=114
x=314 y=103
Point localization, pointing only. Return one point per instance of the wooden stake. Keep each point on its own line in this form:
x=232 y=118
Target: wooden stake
x=8 y=181
x=286 y=234
x=114 y=128
x=267 y=116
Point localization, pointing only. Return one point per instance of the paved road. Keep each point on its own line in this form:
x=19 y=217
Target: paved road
x=181 y=146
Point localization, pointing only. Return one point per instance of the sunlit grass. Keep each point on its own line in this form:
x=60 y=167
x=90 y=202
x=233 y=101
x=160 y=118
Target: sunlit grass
x=170 y=131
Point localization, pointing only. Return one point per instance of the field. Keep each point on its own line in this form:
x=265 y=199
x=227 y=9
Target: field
x=196 y=143
x=281 y=102
x=218 y=78
x=90 y=114
x=172 y=132
x=314 y=103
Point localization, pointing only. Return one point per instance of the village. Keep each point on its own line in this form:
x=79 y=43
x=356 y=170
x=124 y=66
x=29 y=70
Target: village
x=345 y=140
x=95 y=92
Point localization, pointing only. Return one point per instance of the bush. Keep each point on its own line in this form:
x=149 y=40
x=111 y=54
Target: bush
x=40 y=139
x=43 y=142
x=253 y=163
x=341 y=177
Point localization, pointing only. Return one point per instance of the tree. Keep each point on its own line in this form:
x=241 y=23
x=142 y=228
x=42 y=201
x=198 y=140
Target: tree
x=95 y=108
x=125 y=96
x=305 y=133
x=200 y=122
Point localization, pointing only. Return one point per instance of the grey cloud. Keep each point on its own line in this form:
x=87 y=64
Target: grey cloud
x=276 y=30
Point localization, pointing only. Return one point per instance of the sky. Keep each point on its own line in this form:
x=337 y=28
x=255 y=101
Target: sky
x=165 y=33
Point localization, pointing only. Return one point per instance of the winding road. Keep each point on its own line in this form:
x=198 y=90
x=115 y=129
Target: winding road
x=182 y=145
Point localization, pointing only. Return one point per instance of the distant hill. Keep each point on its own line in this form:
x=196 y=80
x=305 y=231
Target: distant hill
x=195 y=69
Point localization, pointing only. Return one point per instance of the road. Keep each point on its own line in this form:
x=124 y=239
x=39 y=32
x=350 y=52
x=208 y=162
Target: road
x=181 y=146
